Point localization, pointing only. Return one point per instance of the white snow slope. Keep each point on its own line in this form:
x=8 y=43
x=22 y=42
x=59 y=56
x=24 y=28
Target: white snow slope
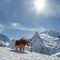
x=8 y=54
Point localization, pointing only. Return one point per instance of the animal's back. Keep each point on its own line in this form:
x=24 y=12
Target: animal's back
x=23 y=42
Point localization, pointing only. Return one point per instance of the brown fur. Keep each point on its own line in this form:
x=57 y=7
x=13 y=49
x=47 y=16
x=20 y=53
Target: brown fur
x=21 y=44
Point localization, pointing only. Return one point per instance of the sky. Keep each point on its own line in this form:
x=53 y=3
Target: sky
x=22 y=18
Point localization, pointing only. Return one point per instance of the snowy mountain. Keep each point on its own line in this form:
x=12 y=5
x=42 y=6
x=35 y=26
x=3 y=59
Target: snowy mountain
x=46 y=42
x=8 y=54
x=37 y=42
x=11 y=45
x=4 y=39
x=52 y=33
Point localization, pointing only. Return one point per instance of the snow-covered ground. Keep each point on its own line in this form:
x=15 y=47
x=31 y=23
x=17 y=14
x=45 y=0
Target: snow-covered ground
x=8 y=54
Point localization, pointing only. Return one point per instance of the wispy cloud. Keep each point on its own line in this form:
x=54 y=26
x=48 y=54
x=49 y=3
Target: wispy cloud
x=18 y=26
x=52 y=8
x=21 y=27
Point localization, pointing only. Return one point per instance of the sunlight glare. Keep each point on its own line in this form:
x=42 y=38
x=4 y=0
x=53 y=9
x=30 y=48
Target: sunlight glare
x=39 y=5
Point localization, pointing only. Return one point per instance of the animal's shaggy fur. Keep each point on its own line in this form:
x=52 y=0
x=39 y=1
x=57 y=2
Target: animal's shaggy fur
x=21 y=44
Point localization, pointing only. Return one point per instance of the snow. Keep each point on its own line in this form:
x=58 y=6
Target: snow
x=49 y=41
x=46 y=42
x=43 y=43
x=4 y=43
x=4 y=40
x=52 y=33
x=37 y=43
x=57 y=54
x=11 y=45
x=8 y=54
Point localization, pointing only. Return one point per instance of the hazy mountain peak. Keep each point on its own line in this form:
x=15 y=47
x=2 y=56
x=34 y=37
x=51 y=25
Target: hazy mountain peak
x=51 y=33
x=4 y=39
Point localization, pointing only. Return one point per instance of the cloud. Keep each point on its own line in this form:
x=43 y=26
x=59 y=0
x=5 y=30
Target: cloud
x=14 y=24
x=21 y=27
x=52 y=8
x=1 y=28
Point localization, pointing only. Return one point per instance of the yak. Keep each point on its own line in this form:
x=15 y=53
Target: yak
x=21 y=44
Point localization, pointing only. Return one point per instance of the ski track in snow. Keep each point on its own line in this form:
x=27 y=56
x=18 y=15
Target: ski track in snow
x=8 y=54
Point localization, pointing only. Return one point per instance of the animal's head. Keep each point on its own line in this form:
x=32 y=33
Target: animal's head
x=28 y=43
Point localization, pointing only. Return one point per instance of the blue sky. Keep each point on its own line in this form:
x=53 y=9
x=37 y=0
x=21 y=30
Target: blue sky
x=18 y=18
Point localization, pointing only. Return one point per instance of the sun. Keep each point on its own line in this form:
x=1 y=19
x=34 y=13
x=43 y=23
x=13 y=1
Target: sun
x=39 y=5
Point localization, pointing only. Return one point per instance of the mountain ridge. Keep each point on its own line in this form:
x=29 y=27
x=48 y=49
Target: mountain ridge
x=50 y=42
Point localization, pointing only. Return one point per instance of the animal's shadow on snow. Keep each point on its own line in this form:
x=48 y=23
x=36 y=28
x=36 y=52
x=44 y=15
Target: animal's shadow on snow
x=18 y=52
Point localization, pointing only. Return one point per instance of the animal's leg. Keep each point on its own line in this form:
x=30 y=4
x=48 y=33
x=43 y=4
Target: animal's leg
x=23 y=49
x=20 y=49
x=16 y=49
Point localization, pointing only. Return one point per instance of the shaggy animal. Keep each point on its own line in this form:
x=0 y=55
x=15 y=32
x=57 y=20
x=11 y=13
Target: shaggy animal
x=21 y=44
